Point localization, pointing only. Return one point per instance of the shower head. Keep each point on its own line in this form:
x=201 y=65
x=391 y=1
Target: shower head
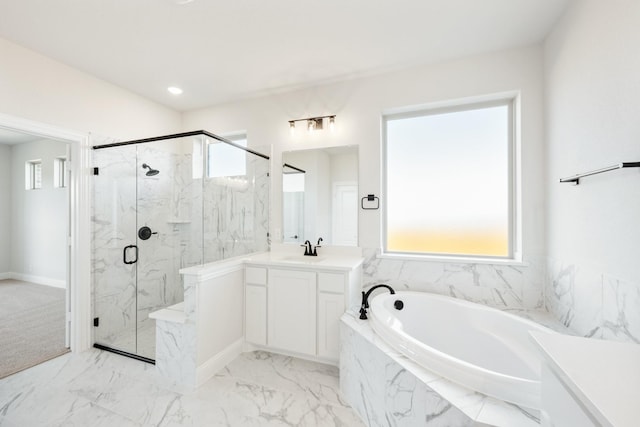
x=151 y=171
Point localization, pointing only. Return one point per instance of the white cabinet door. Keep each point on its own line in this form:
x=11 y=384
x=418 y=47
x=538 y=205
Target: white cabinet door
x=330 y=308
x=255 y=312
x=292 y=310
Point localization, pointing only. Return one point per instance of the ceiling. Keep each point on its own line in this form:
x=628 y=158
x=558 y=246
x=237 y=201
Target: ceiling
x=220 y=51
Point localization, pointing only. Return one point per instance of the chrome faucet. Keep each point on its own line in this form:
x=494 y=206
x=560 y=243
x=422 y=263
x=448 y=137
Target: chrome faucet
x=365 y=299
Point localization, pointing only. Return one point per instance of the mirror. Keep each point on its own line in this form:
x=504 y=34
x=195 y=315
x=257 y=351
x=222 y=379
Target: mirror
x=320 y=196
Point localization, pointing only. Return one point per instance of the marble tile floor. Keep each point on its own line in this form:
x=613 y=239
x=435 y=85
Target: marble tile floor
x=140 y=341
x=97 y=388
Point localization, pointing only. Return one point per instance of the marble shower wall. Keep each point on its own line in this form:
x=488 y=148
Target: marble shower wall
x=196 y=220
x=170 y=203
x=592 y=303
x=125 y=199
x=501 y=286
x=236 y=212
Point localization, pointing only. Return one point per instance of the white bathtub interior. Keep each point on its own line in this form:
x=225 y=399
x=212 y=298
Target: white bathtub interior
x=478 y=347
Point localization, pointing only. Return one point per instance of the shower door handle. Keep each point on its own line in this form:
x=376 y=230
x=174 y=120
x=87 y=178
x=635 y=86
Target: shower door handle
x=124 y=254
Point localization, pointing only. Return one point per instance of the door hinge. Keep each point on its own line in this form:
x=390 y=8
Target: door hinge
x=96 y=321
x=96 y=171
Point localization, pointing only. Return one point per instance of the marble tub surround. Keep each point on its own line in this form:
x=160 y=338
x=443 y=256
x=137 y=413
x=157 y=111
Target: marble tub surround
x=496 y=285
x=592 y=303
x=96 y=388
x=385 y=387
x=606 y=391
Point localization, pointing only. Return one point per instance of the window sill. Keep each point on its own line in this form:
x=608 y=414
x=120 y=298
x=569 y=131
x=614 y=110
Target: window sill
x=455 y=260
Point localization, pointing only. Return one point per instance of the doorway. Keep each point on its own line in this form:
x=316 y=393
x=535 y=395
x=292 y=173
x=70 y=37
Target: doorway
x=76 y=236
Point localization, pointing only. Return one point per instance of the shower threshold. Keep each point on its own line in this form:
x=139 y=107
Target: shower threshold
x=124 y=353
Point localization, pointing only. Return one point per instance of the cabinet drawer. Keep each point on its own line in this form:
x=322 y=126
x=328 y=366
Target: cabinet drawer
x=256 y=275
x=331 y=282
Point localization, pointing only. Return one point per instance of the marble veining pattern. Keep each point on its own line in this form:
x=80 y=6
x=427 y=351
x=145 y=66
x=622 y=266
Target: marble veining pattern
x=197 y=219
x=500 y=286
x=386 y=388
x=97 y=388
x=592 y=303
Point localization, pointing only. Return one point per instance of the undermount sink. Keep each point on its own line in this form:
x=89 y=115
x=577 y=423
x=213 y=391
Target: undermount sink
x=301 y=259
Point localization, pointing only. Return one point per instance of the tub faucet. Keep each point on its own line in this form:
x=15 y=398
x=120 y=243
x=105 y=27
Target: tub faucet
x=365 y=299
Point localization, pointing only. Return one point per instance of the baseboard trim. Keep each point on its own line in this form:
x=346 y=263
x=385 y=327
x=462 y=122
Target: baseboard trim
x=209 y=368
x=248 y=347
x=39 y=280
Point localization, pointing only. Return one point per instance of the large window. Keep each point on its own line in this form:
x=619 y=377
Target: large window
x=449 y=181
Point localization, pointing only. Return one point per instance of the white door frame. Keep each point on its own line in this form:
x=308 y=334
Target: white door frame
x=79 y=280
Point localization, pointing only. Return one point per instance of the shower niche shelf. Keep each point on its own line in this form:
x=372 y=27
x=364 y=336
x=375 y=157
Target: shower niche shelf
x=178 y=221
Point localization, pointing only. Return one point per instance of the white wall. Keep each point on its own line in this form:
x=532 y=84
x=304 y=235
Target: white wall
x=592 y=106
x=5 y=209
x=358 y=105
x=38 y=217
x=38 y=88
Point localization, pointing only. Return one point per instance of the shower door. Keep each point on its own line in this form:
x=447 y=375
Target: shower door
x=114 y=248
x=147 y=226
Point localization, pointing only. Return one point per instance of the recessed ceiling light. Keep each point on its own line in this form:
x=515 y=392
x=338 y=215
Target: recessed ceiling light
x=181 y=2
x=174 y=90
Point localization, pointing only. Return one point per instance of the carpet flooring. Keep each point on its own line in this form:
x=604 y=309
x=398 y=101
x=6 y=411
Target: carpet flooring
x=32 y=325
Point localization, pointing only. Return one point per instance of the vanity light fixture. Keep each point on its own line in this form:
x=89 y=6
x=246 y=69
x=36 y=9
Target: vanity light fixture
x=314 y=123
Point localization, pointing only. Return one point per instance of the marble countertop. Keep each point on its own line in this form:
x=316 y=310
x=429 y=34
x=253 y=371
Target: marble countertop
x=603 y=375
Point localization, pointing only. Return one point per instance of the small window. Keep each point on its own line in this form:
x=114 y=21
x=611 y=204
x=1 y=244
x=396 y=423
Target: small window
x=449 y=177
x=33 y=174
x=225 y=160
x=60 y=172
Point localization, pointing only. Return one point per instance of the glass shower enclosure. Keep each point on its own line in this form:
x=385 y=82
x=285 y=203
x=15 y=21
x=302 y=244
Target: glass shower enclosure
x=160 y=205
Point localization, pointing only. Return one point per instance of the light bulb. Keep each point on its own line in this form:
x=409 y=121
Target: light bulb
x=311 y=125
x=292 y=127
x=332 y=123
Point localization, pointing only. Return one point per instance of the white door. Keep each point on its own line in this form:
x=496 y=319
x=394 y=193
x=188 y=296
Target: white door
x=345 y=214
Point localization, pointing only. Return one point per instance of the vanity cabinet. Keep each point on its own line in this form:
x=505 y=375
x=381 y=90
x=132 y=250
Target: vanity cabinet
x=291 y=310
x=297 y=309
